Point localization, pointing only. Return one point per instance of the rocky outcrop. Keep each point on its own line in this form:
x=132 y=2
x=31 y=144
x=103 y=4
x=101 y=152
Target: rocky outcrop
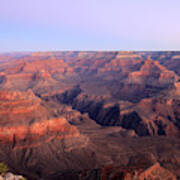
x=10 y=176
x=25 y=120
x=157 y=172
x=111 y=172
x=151 y=79
x=153 y=74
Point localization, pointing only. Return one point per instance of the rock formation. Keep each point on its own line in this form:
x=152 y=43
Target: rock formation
x=86 y=114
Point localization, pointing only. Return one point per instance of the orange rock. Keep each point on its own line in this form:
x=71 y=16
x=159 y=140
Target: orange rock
x=24 y=117
x=157 y=172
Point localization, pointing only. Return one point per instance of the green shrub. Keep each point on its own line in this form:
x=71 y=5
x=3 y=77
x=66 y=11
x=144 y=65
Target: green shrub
x=3 y=168
x=23 y=178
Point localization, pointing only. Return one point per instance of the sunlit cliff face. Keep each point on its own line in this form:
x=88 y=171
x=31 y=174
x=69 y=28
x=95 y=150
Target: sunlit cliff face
x=26 y=120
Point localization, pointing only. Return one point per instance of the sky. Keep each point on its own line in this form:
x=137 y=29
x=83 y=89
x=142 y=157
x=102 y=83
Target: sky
x=52 y=25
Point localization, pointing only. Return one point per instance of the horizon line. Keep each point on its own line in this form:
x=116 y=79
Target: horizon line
x=103 y=50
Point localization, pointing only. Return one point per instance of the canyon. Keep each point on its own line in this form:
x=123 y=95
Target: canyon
x=90 y=115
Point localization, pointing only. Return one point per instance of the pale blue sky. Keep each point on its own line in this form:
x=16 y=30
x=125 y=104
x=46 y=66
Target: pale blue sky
x=40 y=25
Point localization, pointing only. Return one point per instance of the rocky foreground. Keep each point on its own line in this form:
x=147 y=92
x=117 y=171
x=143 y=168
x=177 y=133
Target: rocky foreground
x=124 y=173
x=10 y=176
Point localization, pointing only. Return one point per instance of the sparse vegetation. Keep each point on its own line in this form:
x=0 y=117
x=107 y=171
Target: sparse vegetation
x=23 y=178
x=3 y=168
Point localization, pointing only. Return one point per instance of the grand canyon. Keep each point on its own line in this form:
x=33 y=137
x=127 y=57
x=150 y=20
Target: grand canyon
x=87 y=115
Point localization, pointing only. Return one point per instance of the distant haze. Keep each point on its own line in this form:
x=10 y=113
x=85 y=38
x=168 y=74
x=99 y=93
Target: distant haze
x=41 y=25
